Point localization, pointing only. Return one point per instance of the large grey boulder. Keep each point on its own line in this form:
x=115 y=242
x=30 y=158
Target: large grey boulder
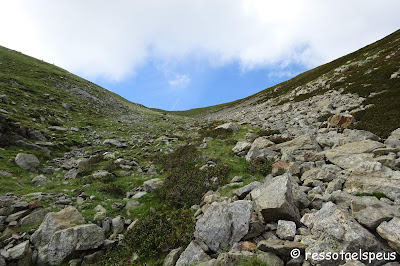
x=298 y=146
x=326 y=173
x=40 y=180
x=280 y=247
x=19 y=251
x=370 y=212
x=65 y=243
x=152 y=184
x=352 y=154
x=335 y=230
x=260 y=148
x=172 y=257
x=391 y=232
x=274 y=200
x=28 y=162
x=372 y=181
x=193 y=254
x=242 y=192
x=394 y=139
x=56 y=221
x=230 y=125
x=34 y=218
x=224 y=224
x=114 y=142
x=241 y=146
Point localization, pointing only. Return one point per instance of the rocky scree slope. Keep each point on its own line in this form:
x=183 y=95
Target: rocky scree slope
x=364 y=83
x=128 y=185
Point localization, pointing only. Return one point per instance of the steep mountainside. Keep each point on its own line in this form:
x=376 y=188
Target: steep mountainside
x=372 y=74
x=89 y=178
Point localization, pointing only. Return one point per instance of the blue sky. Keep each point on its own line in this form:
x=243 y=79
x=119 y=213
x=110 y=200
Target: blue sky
x=198 y=84
x=180 y=54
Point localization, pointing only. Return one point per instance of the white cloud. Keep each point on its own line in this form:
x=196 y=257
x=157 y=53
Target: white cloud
x=109 y=39
x=180 y=81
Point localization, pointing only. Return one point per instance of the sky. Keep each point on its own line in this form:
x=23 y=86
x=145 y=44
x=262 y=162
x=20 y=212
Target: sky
x=184 y=54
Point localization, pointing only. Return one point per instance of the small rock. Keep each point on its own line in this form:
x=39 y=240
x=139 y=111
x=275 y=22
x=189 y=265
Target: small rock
x=286 y=230
x=40 y=180
x=27 y=162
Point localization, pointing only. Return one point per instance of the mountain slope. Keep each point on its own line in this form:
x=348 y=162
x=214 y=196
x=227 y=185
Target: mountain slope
x=366 y=73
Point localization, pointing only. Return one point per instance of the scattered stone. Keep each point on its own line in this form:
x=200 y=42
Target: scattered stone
x=114 y=142
x=152 y=184
x=28 y=162
x=242 y=192
x=241 y=146
x=71 y=174
x=280 y=247
x=232 y=126
x=5 y=174
x=40 y=180
x=286 y=230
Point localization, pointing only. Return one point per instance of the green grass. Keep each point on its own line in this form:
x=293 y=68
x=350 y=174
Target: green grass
x=254 y=261
x=378 y=195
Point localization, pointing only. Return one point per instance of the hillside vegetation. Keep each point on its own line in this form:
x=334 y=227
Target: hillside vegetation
x=89 y=178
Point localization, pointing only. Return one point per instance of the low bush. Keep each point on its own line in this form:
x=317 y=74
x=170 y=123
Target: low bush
x=113 y=189
x=89 y=166
x=259 y=166
x=186 y=186
x=218 y=133
x=152 y=235
x=179 y=158
x=378 y=195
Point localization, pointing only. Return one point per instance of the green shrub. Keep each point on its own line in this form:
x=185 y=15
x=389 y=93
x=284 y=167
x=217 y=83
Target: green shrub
x=259 y=166
x=186 y=186
x=378 y=195
x=111 y=167
x=89 y=166
x=179 y=158
x=113 y=189
x=253 y=261
x=230 y=142
x=218 y=133
x=54 y=122
x=152 y=235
